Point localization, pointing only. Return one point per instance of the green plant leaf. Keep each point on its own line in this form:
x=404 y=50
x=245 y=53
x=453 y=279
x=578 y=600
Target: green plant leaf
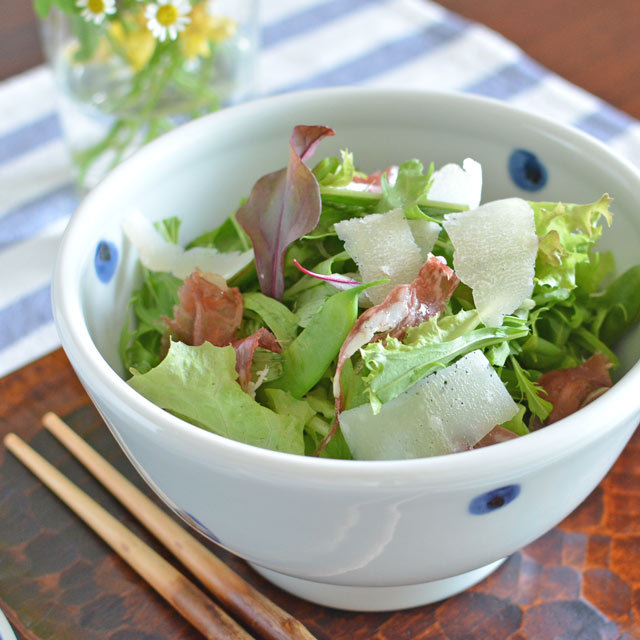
x=200 y=385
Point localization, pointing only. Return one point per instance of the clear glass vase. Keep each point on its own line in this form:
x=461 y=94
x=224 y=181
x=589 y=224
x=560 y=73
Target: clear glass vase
x=127 y=71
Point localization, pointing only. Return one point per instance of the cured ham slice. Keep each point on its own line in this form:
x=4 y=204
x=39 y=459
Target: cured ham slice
x=245 y=348
x=208 y=311
x=571 y=389
x=373 y=182
x=496 y=436
x=406 y=305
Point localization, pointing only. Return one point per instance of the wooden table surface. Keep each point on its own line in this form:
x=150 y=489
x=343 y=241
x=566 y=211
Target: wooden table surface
x=581 y=580
x=58 y=581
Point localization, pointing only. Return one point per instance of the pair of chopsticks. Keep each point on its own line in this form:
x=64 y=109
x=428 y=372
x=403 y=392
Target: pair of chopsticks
x=235 y=594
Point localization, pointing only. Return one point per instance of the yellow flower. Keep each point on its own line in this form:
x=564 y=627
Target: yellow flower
x=137 y=44
x=203 y=29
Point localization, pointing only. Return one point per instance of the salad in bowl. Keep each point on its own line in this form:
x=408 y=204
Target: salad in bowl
x=377 y=316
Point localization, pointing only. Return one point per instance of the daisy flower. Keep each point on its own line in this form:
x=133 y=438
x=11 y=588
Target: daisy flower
x=95 y=10
x=167 y=18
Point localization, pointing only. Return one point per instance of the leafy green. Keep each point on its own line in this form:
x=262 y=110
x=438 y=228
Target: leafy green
x=305 y=412
x=310 y=301
x=229 y=236
x=324 y=268
x=619 y=308
x=283 y=403
x=309 y=294
x=282 y=207
x=282 y=322
x=143 y=346
x=394 y=366
x=308 y=357
x=532 y=391
x=200 y=385
x=566 y=233
x=516 y=424
x=331 y=172
x=410 y=187
x=169 y=229
x=590 y=275
x=267 y=364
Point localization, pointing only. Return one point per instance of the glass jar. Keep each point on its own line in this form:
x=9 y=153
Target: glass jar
x=128 y=70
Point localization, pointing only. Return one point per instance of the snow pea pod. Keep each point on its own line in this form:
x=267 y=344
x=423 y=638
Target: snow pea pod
x=308 y=357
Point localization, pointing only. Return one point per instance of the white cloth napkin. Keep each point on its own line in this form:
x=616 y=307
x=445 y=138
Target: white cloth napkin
x=305 y=43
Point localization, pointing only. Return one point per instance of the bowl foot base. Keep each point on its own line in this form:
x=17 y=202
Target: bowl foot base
x=377 y=598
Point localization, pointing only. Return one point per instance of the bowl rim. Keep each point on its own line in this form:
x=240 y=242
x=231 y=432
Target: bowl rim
x=539 y=448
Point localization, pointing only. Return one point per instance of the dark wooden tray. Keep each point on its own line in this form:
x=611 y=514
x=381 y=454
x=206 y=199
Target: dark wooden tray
x=59 y=581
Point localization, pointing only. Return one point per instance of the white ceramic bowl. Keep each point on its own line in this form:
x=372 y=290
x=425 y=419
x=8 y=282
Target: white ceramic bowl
x=355 y=535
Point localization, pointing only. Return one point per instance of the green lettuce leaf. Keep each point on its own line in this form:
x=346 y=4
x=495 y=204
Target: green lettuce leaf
x=282 y=322
x=410 y=187
x=200 y=385
x=142 y=347
x=229 y=236
x=394 y=366
x=531 y=391
x=331 y=172
x=517 y=424
x=618 y=309
x=169 y=229
x=306 y=411
x=566 y=233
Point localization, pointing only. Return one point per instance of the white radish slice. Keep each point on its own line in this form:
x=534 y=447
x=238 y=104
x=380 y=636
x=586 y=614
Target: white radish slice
x=425 y=233
x=157 y=254
x=382 y=246
x=494 y=253
x=446 y=412
x=458 y=184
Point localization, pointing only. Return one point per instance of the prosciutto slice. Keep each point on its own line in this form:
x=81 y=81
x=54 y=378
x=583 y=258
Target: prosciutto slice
x=209 y=311
x=571 y=389
x=373 y=182
x=245 y=348
x=495 y=436
x=406 y=305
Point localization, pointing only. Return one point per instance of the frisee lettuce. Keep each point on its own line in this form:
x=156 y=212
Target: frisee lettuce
x=572 y=314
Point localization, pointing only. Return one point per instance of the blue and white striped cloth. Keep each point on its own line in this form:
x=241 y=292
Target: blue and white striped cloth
x=305 y=43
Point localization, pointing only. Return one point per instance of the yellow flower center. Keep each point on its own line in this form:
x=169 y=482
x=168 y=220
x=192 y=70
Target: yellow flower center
x=166 y=16
x=96 y=6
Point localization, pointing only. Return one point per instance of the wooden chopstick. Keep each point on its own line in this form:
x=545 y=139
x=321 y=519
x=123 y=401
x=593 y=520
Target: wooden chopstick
x=259 y=613
x=192 y=603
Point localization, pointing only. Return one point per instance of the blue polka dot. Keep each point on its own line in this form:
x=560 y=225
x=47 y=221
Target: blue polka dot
x=105 y=260
x=526 y=170
x=494 y=499
x=196 y=524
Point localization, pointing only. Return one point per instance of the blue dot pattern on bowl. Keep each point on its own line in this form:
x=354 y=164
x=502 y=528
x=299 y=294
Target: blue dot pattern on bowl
x=196 y=524
x=105 y=260
x=494 y=499
x=527 y=171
